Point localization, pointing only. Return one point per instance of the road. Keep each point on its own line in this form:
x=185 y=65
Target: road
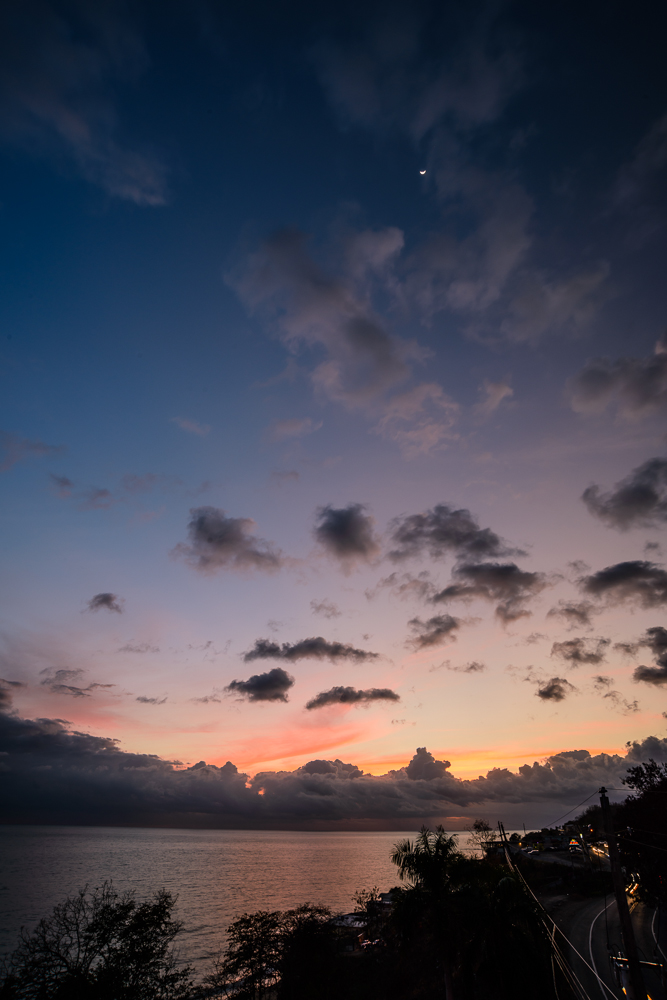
x=593 y=928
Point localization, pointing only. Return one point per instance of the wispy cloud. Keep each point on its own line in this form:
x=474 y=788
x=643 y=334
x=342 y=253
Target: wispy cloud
x=191 y=426
x=15 y=449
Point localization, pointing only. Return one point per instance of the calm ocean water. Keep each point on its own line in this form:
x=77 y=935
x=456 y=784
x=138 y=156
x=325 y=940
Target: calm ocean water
x=217 y=874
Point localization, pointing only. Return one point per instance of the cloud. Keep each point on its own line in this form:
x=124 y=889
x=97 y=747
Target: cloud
x=639 y=188
x=191 y=426
x=280 y=430
x=106 y=601
x=315 y=648
x=656 y=640
x=350 y=696
x=325 y=608
x=474 y=667
x=576 y=614
x=272 y=686
x=405 y=585
x=442 y=531
x=639 y=500
x=14 y=449
x=53 y=775
x=150 y=701
x=581 y=651
x=56 y=681
x=503 y=582
x=62 y=485
x=347 y=533
x=634 y=582
x=110 y=602
x=494 y=394
x=637 y=387
x=555 y=689
x=364 y=365
x=220 y=542
x=6 y=691
x=434 y=632
x=139 y=647
x=60 y=69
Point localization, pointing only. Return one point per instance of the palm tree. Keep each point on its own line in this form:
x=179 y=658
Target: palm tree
x=426 y=863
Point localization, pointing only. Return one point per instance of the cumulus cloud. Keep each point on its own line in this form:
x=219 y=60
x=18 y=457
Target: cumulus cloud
x=280 y=430
x=493 y=395
x=636 y=387
x=639 y=500
x=555 y=689
x=271 y=686
x=53 y=775
x=15 y=449
x=433 y=632
x=503 y=582
x=58 y=681
x=635 y=582
x=60 y=68
x=442 y=531
x=364 y=365
x=325 y=608
x=351 y=696
x=191 y=426
x=575 y=614
x=578 y=652
x=220 y=542
x=347 y=533
x=315 y=648
x=106 y=601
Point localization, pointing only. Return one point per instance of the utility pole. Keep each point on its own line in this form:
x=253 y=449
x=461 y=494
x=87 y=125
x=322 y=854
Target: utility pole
x=637 y=989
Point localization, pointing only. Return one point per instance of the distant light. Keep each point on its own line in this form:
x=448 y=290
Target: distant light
x=422 y=172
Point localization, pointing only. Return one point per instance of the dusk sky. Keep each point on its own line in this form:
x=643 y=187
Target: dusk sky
x=334 y=383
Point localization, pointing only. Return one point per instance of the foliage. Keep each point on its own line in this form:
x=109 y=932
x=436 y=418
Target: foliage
x=100 y=945
x=480 y=834
x=268 y=949
x=641 y=824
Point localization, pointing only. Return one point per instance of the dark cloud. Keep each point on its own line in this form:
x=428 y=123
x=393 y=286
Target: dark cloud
x=350 y=696
x=637 y=387
x=555 y=689
x=14 y=449
x=639 y=500
x=110 y=602
x=57 y=682
x=315 y=648
x=325 y=608
x=445 y=531
x=150 y=701
x=271 y=686
x=503 y=582
x=577 y=652
x=635 y=582
x=656 y=640
x=6 y=691
x=53 y=775
x=424 y=766
x=220 y=542
x=347 y=533
x=434 y=632
x=576 y=614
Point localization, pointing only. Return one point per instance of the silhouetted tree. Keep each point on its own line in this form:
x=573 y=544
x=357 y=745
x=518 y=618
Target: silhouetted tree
x=100 y=945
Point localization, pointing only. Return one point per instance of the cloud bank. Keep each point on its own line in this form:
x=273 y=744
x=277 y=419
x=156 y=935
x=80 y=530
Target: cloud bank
x=54 y=775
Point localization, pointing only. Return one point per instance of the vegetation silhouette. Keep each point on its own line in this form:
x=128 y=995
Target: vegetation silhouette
x=100 y=945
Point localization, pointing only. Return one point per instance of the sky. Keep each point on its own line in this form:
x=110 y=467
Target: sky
x=333 y=345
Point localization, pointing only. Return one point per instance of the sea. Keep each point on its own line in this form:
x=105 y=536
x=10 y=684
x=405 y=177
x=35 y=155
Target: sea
x=216 y=874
